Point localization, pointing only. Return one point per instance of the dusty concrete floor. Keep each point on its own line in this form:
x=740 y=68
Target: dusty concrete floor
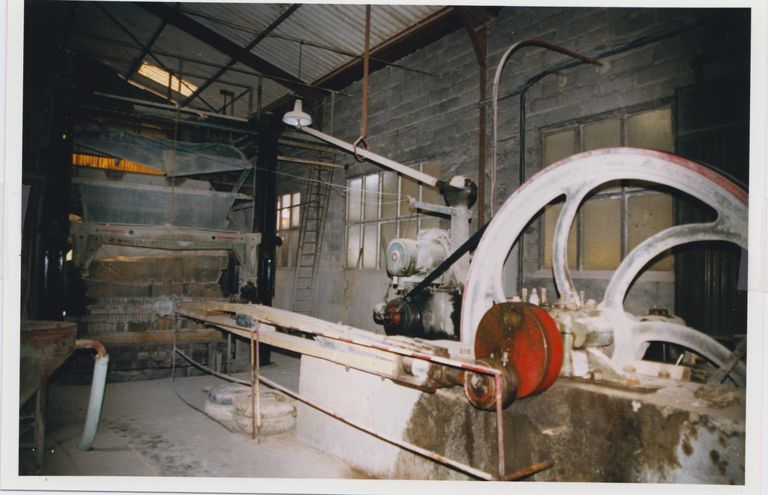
x=147 y=430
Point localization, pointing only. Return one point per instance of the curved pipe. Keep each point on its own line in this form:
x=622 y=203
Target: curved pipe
x=97 y=390
x=495 y=96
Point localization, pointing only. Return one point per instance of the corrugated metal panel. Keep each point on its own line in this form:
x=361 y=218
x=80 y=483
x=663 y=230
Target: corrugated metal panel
x=341 y=27
x=174 y=40
x=240 y=23
x=337 y=29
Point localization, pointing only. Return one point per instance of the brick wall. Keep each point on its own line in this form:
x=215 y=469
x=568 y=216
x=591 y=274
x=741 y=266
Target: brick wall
x=416 y=117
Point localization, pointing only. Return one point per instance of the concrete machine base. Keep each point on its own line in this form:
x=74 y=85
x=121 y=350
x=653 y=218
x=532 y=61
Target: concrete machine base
x=662 y=431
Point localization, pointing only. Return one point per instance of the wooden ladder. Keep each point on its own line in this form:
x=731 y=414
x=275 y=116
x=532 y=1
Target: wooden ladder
x=315 y=207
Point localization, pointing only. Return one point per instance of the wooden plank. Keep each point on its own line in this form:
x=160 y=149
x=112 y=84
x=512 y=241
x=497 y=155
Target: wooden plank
x=158 y=337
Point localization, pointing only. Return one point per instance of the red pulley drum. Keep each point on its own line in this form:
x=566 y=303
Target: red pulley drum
x=526 y=341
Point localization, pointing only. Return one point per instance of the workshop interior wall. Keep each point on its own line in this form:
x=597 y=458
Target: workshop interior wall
x=432 y=115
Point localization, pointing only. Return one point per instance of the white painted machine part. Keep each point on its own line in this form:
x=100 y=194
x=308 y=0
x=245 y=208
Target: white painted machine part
x=378 y=159
x=575 y=177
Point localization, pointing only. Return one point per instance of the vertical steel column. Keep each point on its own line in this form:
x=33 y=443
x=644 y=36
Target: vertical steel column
x=265 y=212
x=54 y=218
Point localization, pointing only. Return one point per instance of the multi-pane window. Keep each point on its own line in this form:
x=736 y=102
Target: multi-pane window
x=621 y=215
x=288 y=222
x=378 y=211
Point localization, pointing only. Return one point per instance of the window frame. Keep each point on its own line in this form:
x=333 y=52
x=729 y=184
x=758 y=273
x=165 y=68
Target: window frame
x=287 y=258
x=623 y=192
x=409 y=216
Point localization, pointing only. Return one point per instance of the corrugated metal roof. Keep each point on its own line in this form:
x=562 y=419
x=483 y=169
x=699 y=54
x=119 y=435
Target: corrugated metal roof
x=328 y=37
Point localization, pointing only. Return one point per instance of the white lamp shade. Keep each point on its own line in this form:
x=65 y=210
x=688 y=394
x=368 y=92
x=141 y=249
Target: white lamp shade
x=297 y=117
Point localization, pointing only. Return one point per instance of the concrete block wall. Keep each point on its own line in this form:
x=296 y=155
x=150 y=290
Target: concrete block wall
x=417 y=117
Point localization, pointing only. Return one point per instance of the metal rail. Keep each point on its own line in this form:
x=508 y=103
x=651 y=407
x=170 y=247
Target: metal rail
x=354 y=338
x=477 y=473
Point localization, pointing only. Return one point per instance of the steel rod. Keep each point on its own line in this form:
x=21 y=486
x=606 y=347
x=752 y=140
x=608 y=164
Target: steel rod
x=257 y=413
x=499 y=427
x=460 y=466
x=417 y=355
x=170 y=107
x=253 y=390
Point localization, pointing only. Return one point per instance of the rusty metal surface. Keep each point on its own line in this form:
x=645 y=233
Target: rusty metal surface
x=45 y=345
x=524 y=339
x=88 y=237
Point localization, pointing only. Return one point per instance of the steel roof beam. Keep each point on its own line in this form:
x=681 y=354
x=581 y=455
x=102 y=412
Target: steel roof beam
x=145 y=50
x=143 y=46
x=282 y=17
x=422 y=33
x=231 y=49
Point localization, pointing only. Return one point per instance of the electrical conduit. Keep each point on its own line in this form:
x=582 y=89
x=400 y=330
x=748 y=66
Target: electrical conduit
x=97 y=390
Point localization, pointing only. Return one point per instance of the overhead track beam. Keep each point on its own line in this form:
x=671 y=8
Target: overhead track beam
x=231 y=49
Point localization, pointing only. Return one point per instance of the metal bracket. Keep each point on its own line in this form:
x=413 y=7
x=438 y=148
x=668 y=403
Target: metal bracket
x=90 y=236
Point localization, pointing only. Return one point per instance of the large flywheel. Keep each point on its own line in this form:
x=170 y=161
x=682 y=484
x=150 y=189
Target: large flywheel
x=575 y=178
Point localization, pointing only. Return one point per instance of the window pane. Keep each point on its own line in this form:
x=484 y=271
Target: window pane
x=429 y=194
x=389 y=195
x=388 y=233
x=370 y=245
x=551 y=212
x=283 y=252
x=602 y=234
x=296 y=199
x=652 y=130
x=408 y=229
x=409 y=187
x=285 y=219
x=286 y=200
x=647 y=215
x=603 y=134
x=353 y=200
x=295 y=216
x=353 y=245
x=293 y=245
x=371 y=197
x=559 y=145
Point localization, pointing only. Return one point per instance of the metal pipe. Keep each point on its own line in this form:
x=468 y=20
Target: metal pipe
x=363 y=139
x=532 y=469
x=499 y=427
x=97 y=390
x=520 y=181
x=175 y=108
x=460 y=466
x=495 y=96
x=253 y=387
x=257 y=412
x=373 y=157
